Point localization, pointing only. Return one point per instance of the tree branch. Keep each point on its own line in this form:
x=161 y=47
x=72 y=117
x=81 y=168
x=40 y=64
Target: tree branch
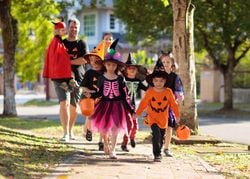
x=208 y=48
x=242 y=55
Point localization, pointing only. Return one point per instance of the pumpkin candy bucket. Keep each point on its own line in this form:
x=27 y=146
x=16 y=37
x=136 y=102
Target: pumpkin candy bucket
x=87 y=106
x=183 y=132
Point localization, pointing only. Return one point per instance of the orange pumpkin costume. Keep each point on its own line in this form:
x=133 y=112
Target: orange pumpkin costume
x=157 y=104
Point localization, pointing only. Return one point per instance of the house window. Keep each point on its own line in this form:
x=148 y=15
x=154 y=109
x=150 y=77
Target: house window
x=89 y=25
x=112 y=22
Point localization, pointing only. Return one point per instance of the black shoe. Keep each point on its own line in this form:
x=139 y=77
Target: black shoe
x=132 y=143
x=100 y=146
x=124 y=148
x=89 y=135
x=157 y=159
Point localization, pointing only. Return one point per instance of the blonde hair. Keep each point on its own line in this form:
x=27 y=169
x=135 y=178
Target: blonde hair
x=174 y=66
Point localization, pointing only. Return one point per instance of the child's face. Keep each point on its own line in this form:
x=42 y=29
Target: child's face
x=110 y=66
x=95 y=62
x=167 y=63
x=131 y=71
x=108 y=40
x=159 y=82
x=62 y=32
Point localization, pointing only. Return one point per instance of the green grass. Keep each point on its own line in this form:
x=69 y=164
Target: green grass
x=36 y=102
x=28 y=156
x=232 y=160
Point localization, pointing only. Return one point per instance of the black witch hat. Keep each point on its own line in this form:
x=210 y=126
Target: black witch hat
x=158 y=72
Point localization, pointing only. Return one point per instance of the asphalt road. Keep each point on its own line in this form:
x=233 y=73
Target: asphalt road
x=226 y=129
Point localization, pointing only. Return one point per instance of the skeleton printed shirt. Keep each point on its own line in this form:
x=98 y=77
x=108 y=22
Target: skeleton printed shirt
x=134 y=86
x=113 y=90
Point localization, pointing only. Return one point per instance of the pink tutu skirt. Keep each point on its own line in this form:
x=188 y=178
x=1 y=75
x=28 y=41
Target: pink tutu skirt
x=110 y=117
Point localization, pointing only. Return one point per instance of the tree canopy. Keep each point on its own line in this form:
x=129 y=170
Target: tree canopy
x=146 y=21
x=35 y=30
x=221 y=27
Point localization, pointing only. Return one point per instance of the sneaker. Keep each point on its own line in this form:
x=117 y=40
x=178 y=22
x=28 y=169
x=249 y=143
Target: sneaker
x=72 y=136
x=124 y=148
x=168 y=153
x=65 y=138
x=157 y=159
x=100 y=146
x=112 y=155
x=132 y=143
x=89 y=135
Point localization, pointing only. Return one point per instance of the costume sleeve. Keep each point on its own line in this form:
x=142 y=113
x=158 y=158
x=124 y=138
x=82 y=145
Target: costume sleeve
x=178 y=84
x=173 y=104
x=99 y=91
x=125 y=96
x=86 y=79
x=143 y=103
x=142 y=86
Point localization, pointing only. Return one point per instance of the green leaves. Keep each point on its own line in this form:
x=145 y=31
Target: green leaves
x=34 y=33
x=151 y=20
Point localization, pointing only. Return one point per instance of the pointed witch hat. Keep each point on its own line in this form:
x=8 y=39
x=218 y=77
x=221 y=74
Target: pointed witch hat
x=158 y=72
x=98 y=51
x=113 y=55
x=142 y=71
x=130 y=61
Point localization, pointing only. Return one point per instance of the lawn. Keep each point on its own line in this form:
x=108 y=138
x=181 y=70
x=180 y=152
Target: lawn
x=24 y=155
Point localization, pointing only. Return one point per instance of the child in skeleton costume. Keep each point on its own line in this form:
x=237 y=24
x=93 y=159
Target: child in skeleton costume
x=157 y=100
x=107 y=39
x=89 y=82
x=134 y=85
x=110 y=116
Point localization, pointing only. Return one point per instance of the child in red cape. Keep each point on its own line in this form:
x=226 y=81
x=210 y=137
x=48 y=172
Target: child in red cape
x=57 y=64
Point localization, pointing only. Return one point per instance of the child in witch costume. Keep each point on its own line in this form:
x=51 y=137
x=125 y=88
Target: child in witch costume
x=89 y=82
x=175 y=84
x=107 y=39
x=57 y=64
x=134 y=85
x=157 y=100
x=110 y=116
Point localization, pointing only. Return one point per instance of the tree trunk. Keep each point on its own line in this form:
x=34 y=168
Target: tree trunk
x=9 y=35
x=183 y=49
x=228 y=86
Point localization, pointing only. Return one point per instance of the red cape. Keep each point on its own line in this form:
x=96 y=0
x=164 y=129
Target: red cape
x=57 y=63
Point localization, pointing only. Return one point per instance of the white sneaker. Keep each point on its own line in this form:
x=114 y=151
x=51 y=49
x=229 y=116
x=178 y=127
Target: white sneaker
x=65 y=138
x=72 y=136
x=112 y=155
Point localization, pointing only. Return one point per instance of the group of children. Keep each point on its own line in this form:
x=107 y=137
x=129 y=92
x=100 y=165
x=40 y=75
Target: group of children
x=114 y=86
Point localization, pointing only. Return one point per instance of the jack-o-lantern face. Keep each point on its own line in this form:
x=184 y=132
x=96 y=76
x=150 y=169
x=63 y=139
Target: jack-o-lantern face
x=159 y=104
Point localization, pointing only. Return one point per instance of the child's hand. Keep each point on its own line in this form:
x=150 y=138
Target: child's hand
x=177 y=120
x=134 y=116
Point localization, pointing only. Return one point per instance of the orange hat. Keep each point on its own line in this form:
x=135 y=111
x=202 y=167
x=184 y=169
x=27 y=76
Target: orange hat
x=97 y=51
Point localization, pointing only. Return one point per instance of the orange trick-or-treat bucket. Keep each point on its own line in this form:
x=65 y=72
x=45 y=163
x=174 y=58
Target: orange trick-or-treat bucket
x=183 y=132
x=87 y=106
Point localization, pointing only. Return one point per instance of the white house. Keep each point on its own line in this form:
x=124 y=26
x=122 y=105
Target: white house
x=97 y=21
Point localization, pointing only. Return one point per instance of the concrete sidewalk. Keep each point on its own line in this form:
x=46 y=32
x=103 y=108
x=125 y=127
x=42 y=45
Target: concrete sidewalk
x=90 y=163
